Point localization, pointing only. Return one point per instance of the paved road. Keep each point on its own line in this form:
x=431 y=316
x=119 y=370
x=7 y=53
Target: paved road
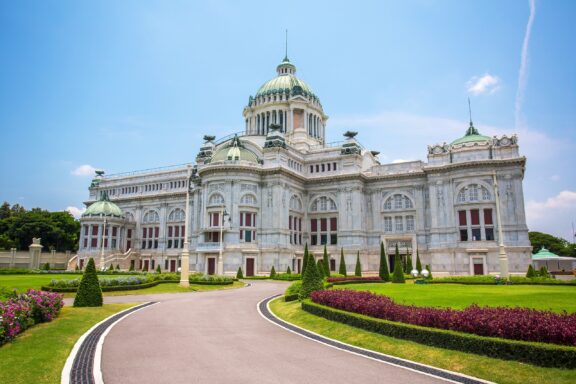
x=219 y=337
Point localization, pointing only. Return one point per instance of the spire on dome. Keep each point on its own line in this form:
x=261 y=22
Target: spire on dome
x=286 y=67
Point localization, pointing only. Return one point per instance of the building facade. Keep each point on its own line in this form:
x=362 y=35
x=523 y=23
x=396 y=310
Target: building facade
x=257 y=197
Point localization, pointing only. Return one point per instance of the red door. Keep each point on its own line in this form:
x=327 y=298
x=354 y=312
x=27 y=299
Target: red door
x=211 y=266
x=172 y=265
x=478 y=269
x=146 y=264
x=250 y=267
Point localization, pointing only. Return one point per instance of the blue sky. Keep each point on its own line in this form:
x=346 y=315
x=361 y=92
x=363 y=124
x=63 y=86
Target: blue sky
x=127 y=85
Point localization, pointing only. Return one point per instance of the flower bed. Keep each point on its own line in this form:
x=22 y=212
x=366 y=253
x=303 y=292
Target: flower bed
x=24 y=310
x=354 y=280
x=502 y=322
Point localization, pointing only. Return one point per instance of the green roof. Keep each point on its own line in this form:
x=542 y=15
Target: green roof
x=544 y=254
x=103 y=207
x=284 y=83
x=472 y=135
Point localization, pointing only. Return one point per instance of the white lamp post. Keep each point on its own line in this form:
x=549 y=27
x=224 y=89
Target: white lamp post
x=502 y=257
x=185 y=258
x=223 y=213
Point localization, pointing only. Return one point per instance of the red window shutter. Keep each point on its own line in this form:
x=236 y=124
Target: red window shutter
x=488 y=217
x=144 y=233
x=313 y=225
x=323 y=225
x=169 y=231
x=114 y=231
x=94 y=230
x=462 y=218
x=156 y=231
x=475 y=216
x=176 y=231
x=248 y=219
x=333 y=224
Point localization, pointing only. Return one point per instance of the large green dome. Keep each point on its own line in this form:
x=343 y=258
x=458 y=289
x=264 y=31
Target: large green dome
x=286 y=82
x=103 y=207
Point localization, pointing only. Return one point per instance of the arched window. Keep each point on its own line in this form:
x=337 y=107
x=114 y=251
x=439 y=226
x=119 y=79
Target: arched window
x=151 y=217
x=398 y=202
x=295 y=203
x=322 y=204
x=473 y=192
x=177 y=215
x=216 y=199
x=248 y=199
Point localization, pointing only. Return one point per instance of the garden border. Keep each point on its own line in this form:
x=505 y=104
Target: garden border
x=450 y=376
x=539 y=354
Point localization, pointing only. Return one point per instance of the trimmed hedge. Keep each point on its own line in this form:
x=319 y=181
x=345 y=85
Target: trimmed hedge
x=293 y=297
x=545 y=355
x=493 y=280
x=109 y=288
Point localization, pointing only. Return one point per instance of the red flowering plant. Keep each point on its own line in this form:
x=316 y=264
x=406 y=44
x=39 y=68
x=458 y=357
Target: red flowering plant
x=24 y=310
x=505 y=322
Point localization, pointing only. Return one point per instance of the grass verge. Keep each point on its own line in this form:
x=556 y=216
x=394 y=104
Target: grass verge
x=458 y=296
x=500 y=371
x=38 y=355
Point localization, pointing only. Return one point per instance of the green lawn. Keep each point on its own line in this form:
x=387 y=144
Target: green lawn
x=173 y=288
x=459 y=296
x=22 y=282
x=500 y=371
x=38 y=355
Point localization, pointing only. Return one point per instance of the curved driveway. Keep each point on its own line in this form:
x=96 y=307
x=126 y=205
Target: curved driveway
x=219 y=337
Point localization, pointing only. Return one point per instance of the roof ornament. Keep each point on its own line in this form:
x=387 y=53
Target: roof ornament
x=471 y=130
x=286 y=50
x=350 y=134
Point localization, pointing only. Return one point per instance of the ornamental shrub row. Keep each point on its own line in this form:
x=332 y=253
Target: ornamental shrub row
x=109 y=288
x=491 y=280
x=24 y=310
x=503 y=322
x=211 y=279
x=545 y=355
x=355 y=279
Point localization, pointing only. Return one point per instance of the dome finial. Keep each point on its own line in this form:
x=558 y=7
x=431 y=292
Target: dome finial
x=471 y=130
x=286 y=48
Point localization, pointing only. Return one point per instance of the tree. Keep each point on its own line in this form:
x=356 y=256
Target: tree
x=418 y=263
x=409 y=263
x=543 y=272
x=326 y=262
x=531 y=273
x=342 y=269
x=288 y=271
x=311 y=280
x=320 y=266
x=554 y=244
x=131 y=269
x=272 y=273
x=158 y=269
x=429 y=271
x=118 y=267
x=89 y=292
x=384 y=272
x=111 y=268
x=239 y=274
x=305 y=259
x=398 y=275
x=358 y=269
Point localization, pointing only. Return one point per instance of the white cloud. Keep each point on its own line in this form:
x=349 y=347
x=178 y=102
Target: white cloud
x=75 y=211
x=486 y=84
x=555 y=177
x=523 y=72
x=554 y=215
x=84 y=170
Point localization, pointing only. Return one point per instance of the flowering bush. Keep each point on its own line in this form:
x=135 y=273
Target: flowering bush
x=504 y=322
x=353 y=278
x=25 y=310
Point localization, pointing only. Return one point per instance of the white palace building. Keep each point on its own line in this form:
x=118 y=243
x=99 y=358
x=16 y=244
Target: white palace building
x=257 y=197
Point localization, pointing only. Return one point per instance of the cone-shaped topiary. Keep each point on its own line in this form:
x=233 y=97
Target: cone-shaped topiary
x=384 y=272
x=326 y=262
x=405 y=262
x=89 y=293
x=311 y=280
x=409 y=263
x=321 y=269
x=342 y=270
x=531 y=272
x=358 y=269
x=272 y=272
x=239 y=274
x=117 y=267
x=131 y=269
x=418 y=262
x=305 y=259
x=429 y=271
x=543 y=271
x=111 y=268
x=158 y=269
x=288 y=271
x=398 y=275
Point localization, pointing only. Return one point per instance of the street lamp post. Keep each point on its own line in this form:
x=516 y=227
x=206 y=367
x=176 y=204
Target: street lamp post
x=185 y=258
x=220 y=257
x=502 y=257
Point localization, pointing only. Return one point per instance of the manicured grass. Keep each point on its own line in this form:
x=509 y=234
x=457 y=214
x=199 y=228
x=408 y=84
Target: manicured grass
x=22 y=282
x=500 y=371
x=459 y=296
x=38 y=355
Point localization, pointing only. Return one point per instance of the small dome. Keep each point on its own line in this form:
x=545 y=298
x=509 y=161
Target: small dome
x=103 y=207
x=234 y=151
x=472 y=135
